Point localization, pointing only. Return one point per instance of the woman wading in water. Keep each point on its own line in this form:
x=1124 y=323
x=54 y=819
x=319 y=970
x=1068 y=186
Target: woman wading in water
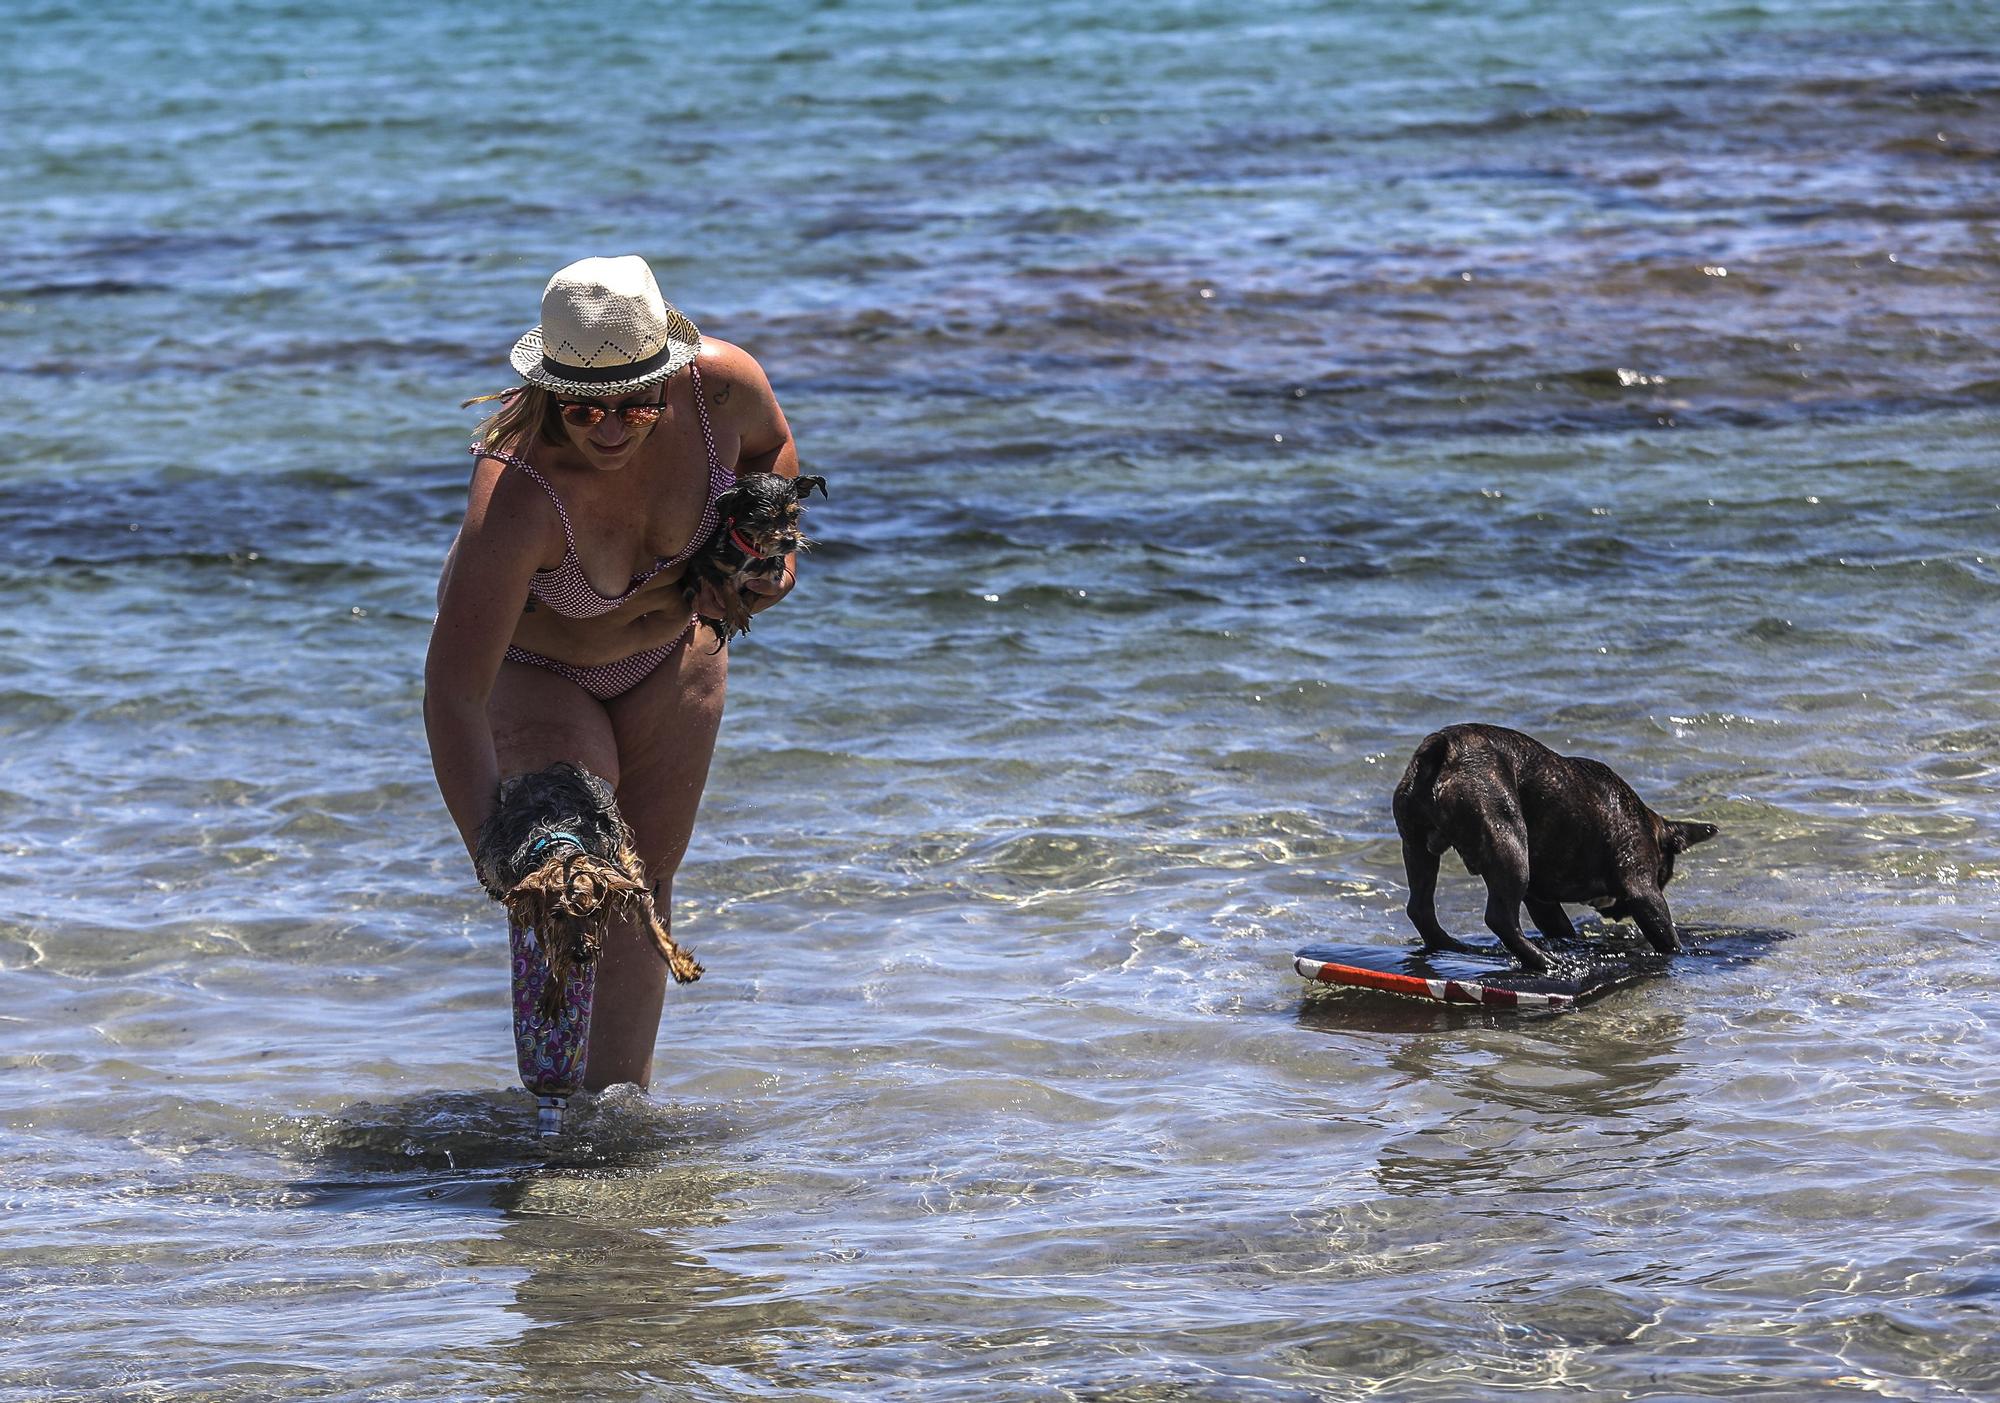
x=561 y=631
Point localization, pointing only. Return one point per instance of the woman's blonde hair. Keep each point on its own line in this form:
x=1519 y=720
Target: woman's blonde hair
x=523 y=410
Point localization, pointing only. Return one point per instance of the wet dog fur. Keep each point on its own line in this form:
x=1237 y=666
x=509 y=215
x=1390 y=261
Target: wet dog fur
x=559 y=856
x=1541 y=829
x=757 y=526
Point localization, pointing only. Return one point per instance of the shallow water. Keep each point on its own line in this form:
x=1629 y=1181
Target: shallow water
x=1213 y=402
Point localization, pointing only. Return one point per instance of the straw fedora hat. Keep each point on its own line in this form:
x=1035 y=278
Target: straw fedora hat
x=605 y=331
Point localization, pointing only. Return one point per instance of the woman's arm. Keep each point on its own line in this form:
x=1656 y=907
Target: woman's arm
x=741 y=396
x=485 y=585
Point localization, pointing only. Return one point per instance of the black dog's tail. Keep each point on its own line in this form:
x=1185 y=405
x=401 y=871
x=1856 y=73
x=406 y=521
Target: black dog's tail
x=1416 y=795
x=1425 y=766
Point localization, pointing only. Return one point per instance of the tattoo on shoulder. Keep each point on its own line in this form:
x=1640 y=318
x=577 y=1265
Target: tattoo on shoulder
x=721 y=396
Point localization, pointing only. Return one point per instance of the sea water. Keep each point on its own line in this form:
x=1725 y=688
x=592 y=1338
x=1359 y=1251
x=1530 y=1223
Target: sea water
x=1214 y=399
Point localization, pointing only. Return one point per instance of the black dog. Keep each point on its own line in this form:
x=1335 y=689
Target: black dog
x=756 y=527
x=1542 y=829
x=558 y=855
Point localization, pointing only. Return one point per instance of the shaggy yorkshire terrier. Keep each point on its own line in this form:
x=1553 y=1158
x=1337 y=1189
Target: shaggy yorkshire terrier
x=757 y=526
x=558 y=855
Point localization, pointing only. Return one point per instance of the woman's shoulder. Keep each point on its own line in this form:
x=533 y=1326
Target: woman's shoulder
x=505 y=503
x=511 y=465
x=719 y=356
x=497 y=454
x=736 y=388
x=726 y=365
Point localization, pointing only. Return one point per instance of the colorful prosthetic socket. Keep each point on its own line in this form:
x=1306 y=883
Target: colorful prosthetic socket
x=552 y=1047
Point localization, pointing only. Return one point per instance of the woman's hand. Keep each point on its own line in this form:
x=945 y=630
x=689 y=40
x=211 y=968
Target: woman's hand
x=710 y=601
x=760 y=592
x=755 y=595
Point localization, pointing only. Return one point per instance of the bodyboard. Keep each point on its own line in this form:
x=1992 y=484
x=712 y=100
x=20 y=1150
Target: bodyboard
x=1589 y=966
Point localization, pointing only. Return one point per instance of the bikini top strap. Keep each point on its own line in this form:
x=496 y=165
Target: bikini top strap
x=525 y=466
x=717 y=483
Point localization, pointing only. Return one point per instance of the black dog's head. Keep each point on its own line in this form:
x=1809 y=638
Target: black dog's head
x=562 y=807
x=762 y=512
x=1674 y=837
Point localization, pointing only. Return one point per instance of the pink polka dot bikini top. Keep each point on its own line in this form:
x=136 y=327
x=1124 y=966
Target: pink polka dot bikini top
x=565 y=588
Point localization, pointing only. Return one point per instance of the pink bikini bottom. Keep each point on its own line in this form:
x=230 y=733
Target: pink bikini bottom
x=612 y=679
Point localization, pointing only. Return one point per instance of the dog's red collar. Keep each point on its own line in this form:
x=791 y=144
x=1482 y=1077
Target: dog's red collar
x=736 y=539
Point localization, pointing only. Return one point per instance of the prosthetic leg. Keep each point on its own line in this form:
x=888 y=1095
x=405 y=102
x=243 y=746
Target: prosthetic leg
x=557 y=854
x=552 y=1050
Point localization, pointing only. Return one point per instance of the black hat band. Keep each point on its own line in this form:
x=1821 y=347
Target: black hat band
x=607 y=374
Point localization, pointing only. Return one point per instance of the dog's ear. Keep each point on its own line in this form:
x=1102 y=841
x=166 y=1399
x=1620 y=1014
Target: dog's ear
x=599 y=788
x=729 y=503
x=802 y=487
x=1682 y=836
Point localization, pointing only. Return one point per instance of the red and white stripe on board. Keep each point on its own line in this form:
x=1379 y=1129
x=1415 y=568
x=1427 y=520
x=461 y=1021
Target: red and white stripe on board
x=1450 y=991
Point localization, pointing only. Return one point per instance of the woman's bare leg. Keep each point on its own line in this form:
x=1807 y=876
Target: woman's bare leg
x=539 y=718
x=653 y=745
x=665 y=730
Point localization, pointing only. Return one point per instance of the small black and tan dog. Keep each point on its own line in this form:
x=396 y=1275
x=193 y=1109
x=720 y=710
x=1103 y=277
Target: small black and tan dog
x=558 y=855
x=1541 y=829
x=756 y=527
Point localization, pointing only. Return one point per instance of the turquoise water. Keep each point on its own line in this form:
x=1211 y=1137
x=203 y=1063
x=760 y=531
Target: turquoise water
x=1214 y=400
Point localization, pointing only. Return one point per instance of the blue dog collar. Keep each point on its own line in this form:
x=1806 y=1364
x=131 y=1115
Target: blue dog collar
x=551 y=839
